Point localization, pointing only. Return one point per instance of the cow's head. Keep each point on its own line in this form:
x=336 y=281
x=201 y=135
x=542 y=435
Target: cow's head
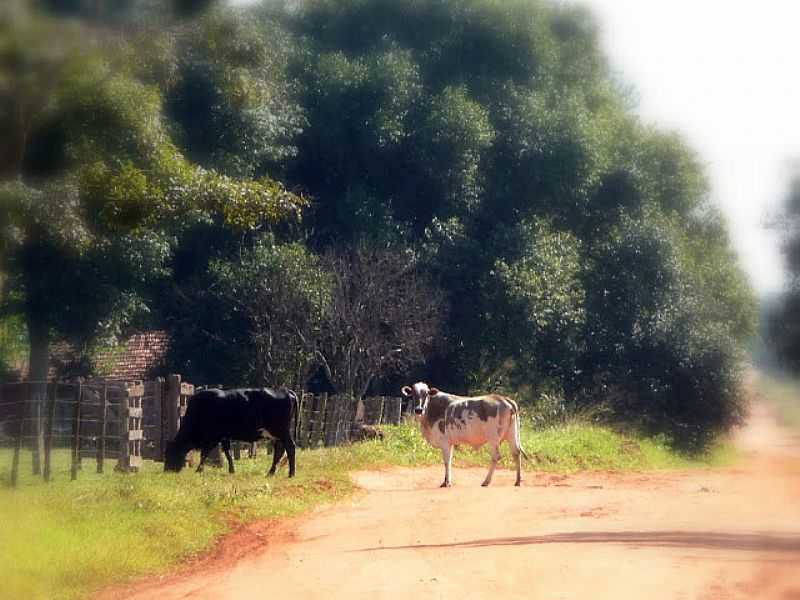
x=421 y=393
x=174 y=457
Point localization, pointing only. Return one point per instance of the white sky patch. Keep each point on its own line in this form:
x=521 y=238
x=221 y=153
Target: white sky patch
x=724 y=74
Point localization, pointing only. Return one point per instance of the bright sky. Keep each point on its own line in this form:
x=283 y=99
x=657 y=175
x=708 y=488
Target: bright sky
x=726 y=75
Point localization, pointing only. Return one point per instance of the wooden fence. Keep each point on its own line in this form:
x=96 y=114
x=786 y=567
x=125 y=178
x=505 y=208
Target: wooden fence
x=330 y=420
x=133 y=421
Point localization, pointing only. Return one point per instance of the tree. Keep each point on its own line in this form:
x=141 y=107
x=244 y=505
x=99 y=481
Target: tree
x=231 y=97
x=270 y=302
x=383 y=317
x=95 y=191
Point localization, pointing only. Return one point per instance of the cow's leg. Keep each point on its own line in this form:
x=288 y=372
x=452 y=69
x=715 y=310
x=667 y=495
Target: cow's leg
x=447 y=457
x=512 y=437
x=204 y=452
x=226 y=448
x=495 y=457
x=518 y=460
x=277 y=453
x=289 y=444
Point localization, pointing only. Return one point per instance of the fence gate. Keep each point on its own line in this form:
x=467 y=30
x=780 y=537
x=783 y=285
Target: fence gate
x=132 y=432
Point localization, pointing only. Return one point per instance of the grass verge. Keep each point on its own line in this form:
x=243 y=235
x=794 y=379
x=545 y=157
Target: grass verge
x=63 y=539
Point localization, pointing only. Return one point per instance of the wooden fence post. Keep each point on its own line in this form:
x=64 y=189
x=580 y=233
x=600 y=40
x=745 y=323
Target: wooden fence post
x=37 y=441
x=131 y=433
x=37 y=438
x=307 y=405
x=17 y=448
x=298 y=418
x=331 y=421
x=170 y=410
x=322 y=420
x=48 y=440
x=153 y=421
x=76 y=431
x=101 y=443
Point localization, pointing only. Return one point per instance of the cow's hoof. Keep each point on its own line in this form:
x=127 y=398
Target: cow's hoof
x=485 y=484
x=445 y=484
x=518 y=483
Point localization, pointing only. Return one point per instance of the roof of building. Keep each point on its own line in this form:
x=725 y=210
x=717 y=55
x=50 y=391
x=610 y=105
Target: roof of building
x=134 y=359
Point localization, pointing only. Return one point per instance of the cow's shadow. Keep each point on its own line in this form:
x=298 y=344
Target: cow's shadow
x=714 y=540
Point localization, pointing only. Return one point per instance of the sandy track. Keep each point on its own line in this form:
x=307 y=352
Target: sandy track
x=723 y=534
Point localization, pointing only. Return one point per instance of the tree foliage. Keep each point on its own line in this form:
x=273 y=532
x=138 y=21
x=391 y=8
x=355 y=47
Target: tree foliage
x=95 y=188
x=270 y=303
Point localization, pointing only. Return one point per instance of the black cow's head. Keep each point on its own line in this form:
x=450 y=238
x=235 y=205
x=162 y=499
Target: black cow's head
x=174 y=457
x=421 y=393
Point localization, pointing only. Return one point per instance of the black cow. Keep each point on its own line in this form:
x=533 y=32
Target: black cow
x=217 y=417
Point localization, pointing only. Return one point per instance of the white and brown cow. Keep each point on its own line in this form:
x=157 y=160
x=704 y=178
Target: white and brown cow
x=448 y=420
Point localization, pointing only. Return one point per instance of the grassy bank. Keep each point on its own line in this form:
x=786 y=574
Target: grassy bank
x=62 y=539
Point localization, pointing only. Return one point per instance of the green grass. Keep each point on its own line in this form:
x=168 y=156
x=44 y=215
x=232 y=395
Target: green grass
x=65 y=538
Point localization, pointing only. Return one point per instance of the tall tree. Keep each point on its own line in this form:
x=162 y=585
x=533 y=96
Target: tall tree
x=95 y=191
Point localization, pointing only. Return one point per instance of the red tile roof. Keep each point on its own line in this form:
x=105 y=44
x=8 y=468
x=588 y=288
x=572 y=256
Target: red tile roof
x=139 y=355
x=133 y=359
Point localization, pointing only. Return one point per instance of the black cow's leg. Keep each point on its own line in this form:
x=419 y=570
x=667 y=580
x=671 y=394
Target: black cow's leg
x=226 y=448
x=203 y=455
x=277 y=453
x=290 y=451
x=204 y=452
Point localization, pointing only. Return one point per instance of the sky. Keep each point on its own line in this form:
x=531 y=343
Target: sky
x=727 y=76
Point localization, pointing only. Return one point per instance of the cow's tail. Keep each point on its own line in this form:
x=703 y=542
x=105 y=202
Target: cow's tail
x=295 y=413
x=515 y=421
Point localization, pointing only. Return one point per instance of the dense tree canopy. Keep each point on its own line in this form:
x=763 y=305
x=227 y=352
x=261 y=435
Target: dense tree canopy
x=573 y=247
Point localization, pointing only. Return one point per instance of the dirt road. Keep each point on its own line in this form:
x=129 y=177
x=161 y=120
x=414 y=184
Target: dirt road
x=723 y=534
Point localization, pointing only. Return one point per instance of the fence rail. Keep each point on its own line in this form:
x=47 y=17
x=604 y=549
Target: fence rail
x=133 y=421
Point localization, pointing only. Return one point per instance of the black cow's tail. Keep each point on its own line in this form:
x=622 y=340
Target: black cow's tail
x=295 y=409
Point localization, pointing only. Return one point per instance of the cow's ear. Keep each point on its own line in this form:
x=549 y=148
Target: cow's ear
x=406 y=391
x=433 y=391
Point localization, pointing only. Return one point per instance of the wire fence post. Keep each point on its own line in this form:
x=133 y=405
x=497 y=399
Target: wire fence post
x=76 y=432
x=37 y=441
x=48 y=440
x=17 y=448
x=101 y=443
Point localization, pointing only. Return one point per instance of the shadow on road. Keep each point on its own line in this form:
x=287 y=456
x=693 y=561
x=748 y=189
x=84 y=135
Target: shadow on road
x=750 y=542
